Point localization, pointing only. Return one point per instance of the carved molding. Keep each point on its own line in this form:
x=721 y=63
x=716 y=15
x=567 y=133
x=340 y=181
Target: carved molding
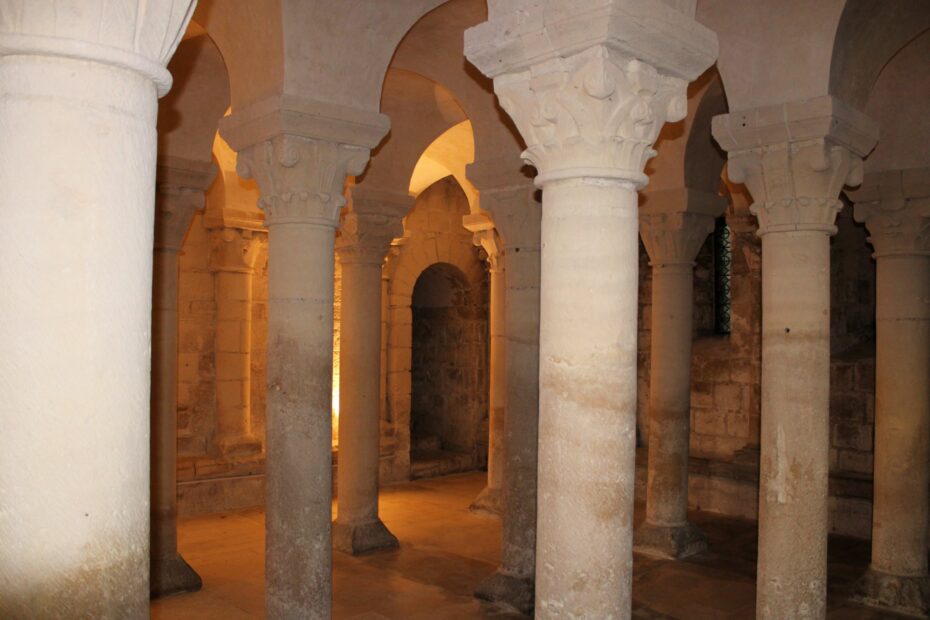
x=134 y=34
x=795 y=159
x=593 y=114
x=235 y=250
x=370 y=222
x=301 y=180
x=895 y=207
x=674 y=238
x=507 y=193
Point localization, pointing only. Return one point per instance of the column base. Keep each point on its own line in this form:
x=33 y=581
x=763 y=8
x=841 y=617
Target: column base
x=172 y=575
x=508 y=590
x=356 y=539
x=488 y=502
x=674 y=542
x=900 y=593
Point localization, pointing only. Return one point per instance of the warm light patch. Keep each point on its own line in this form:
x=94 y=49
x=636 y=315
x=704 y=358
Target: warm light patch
x=449 y=154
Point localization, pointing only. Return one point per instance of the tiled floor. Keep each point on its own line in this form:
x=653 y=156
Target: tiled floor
x=445 y=551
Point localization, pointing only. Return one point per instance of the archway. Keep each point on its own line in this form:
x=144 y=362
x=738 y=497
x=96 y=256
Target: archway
x=449 y=373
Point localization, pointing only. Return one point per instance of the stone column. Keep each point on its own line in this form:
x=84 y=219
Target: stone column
x=895 y=207
x=368 y=227
x=301 y=179
x=589 y=110
x=232 y=261
x=795 y=184
x=489 y=500
x=674 y=225
x=510 y=197
x=77 y=166
x=180 y=193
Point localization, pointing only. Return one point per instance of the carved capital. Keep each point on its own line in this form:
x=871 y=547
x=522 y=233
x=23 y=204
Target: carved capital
x=795 y=159
x=507 y=192
x=369 y=223
x=135 y=34
x=592 y=114
x=590 y=83
x=180 y=186
x=674 y=238
x=895 y=207
x=301 y=179
x=235 y=250
x=485 y=237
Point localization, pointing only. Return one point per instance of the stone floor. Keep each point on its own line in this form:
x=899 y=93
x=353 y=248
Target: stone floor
x=446 y=551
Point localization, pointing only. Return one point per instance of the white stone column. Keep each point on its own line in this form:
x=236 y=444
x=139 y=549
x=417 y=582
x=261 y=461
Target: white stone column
x=510 y=197
x=368 y=226
x=895 y=207
x=795 y=185
x=232 y=261
x=489 y=500
x=589 y=110
x=77 y=166
x=180 y=193
x=674 y=225
x=301 y=179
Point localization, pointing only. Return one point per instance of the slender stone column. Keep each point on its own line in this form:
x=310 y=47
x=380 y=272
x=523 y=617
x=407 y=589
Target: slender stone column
x=795 y=187
x=180 y=193
x=674 y=225
x=510 y=197
x=232 y=261
x=368 y=227
x=77 y=167
x=895 y=207
x=589 y=111
x=301 y=179
x=489 y=500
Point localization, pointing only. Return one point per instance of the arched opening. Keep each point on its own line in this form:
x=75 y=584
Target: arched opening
x=449 y=373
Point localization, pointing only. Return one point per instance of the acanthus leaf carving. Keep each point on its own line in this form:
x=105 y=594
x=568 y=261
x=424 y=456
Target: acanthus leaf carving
x=674 y=238
x=301 y=179
x=595 y=114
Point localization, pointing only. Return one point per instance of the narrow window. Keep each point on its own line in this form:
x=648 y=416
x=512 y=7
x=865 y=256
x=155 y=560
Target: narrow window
x=722 y=259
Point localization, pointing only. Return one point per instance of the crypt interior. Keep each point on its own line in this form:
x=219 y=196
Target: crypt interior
x=465 y=309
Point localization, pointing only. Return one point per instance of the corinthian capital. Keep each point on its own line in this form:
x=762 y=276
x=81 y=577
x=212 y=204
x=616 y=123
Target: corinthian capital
x=895 y=207
x=371 y=221
x=485 y=237
x=675 y=223
x=133 y=34
x=300 y=152
x=590 y=83
x=180 y=185
x=594 y=114
x=795 y=159
x=235 y=250
x=506 y=191
x=301 y=180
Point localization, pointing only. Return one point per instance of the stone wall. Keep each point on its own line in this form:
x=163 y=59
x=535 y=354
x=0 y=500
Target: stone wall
x=433 y=233
x=209 y=478
x=726 y=380
x=449 y=397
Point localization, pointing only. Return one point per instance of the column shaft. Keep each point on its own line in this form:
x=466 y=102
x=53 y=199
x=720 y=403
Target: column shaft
x=902 y=415
x=670 y=395
x=74 y=460
x=234 y=361
x=490 y=498
x=587 y=402
x=358 y=528
x=298 y=550
x=792 y=563
x=520 y=435
x=169 y=572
